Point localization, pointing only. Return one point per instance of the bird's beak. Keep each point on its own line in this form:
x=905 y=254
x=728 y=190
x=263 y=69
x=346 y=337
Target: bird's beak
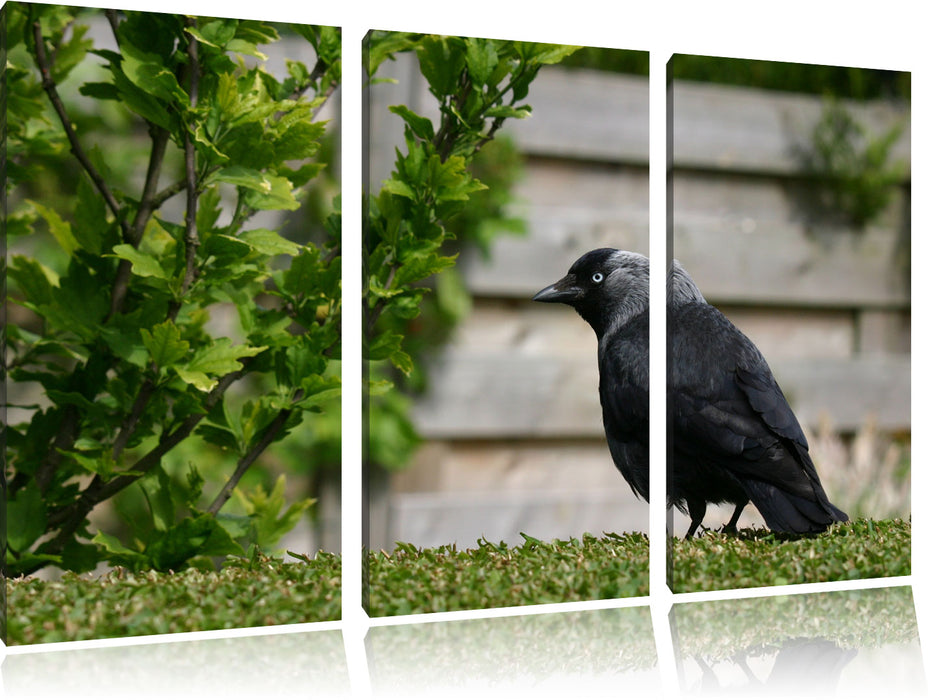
x=565 y=291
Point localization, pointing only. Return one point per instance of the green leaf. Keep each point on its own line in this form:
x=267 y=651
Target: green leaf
x=101 y=465
x=482 y=59
x=421 y=126
x=26 y=517
x=423 y=266
x=202 y=535
x=267 y=523
x=165 y=343
x=90 y=218
x=398 y=187
x=265 y=192
x=508 y=112
x=117 y=554
x=34 y=279
x=59 y=228
x=215 y=360
x=142 y=264
x=151 y=75
x=441 y=60
x=388 y=346
x=268 y=242
x=243 y=177
x=279 y=196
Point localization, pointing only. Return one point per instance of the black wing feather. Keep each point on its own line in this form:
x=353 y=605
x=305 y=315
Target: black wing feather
x=624 y=391
x=734 y=428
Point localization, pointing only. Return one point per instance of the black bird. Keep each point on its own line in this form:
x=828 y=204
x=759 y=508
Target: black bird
x=735 y=439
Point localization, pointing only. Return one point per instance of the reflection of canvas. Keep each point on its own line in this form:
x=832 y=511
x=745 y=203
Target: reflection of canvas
x=173 y=338
x=765 y=188
x=840 y=643
x=502 y=393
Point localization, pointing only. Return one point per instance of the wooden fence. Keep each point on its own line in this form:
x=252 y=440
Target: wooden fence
x=511 y=416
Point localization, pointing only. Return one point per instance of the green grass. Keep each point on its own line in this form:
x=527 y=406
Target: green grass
x=756 y=557
x=122 y=603
x=411 y=580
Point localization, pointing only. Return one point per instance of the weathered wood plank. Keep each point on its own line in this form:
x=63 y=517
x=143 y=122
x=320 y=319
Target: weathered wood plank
x=734 y=262
x=758 y=131
x=586 y=114
x=528 y=328
x=510 y=465
x=743 y=242
x=503 y=395
x=744 y=262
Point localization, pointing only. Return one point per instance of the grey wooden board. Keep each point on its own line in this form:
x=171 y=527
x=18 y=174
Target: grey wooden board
x=530 y=328
x=500 y=395
x=435 y=519
x=732 y=262
x=759 y=253
x=749 y=130
x=586 y=114
x=777 y=263
x=510 y=465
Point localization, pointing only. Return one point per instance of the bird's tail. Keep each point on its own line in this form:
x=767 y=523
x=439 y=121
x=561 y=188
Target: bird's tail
x=787 y=512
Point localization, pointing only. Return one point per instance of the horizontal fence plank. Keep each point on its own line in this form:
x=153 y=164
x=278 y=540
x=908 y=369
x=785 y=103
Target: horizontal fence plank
x=739 y=129
x=513 y=465
x=586 y=114
x=778 y=263
x=742 y=241
x=529 y=328
x=502 y=395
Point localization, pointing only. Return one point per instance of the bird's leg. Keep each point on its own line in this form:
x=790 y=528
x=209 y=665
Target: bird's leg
x=732 y=525
x=696 y=513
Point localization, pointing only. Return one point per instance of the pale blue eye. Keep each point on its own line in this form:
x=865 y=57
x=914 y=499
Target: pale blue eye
x=597 y=278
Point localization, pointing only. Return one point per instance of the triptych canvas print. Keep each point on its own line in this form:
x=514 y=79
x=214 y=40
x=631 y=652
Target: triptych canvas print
x=173 y=353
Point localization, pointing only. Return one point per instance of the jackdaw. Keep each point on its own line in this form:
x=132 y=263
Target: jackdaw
x=734 y=437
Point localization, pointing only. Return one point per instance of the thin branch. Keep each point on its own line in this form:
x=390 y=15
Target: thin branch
x=269 y=435
x=328 y=93
x=69 y=518
x=380 y=304
x=148 y=204
x=48 y=84
x=191 y=180
x=64 y=440
x=114 y=22
x=130 y=422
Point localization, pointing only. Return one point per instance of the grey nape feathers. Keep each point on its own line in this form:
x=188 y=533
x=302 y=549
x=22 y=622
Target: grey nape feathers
x=735 y=439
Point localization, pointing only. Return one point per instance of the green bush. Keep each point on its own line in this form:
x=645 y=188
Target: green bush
x=442 y=195
x=414 y=580
x=245 y=593
x=119 y=302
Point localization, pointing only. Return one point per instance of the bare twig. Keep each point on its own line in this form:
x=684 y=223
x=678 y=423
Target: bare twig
x=64 y=440
x=69 y=518
x=269 y=435
x=114 y=22
x=130 y=422
x=191 y=181
x=48 y=84
x=148 y=204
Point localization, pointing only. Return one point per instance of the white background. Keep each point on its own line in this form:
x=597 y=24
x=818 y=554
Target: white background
x=896 y=35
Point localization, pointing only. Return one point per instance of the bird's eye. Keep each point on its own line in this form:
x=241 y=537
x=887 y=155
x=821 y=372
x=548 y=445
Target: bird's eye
x=597 y=278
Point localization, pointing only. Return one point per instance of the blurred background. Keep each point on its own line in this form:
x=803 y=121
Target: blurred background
x=791 y=210
x=500 y=428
